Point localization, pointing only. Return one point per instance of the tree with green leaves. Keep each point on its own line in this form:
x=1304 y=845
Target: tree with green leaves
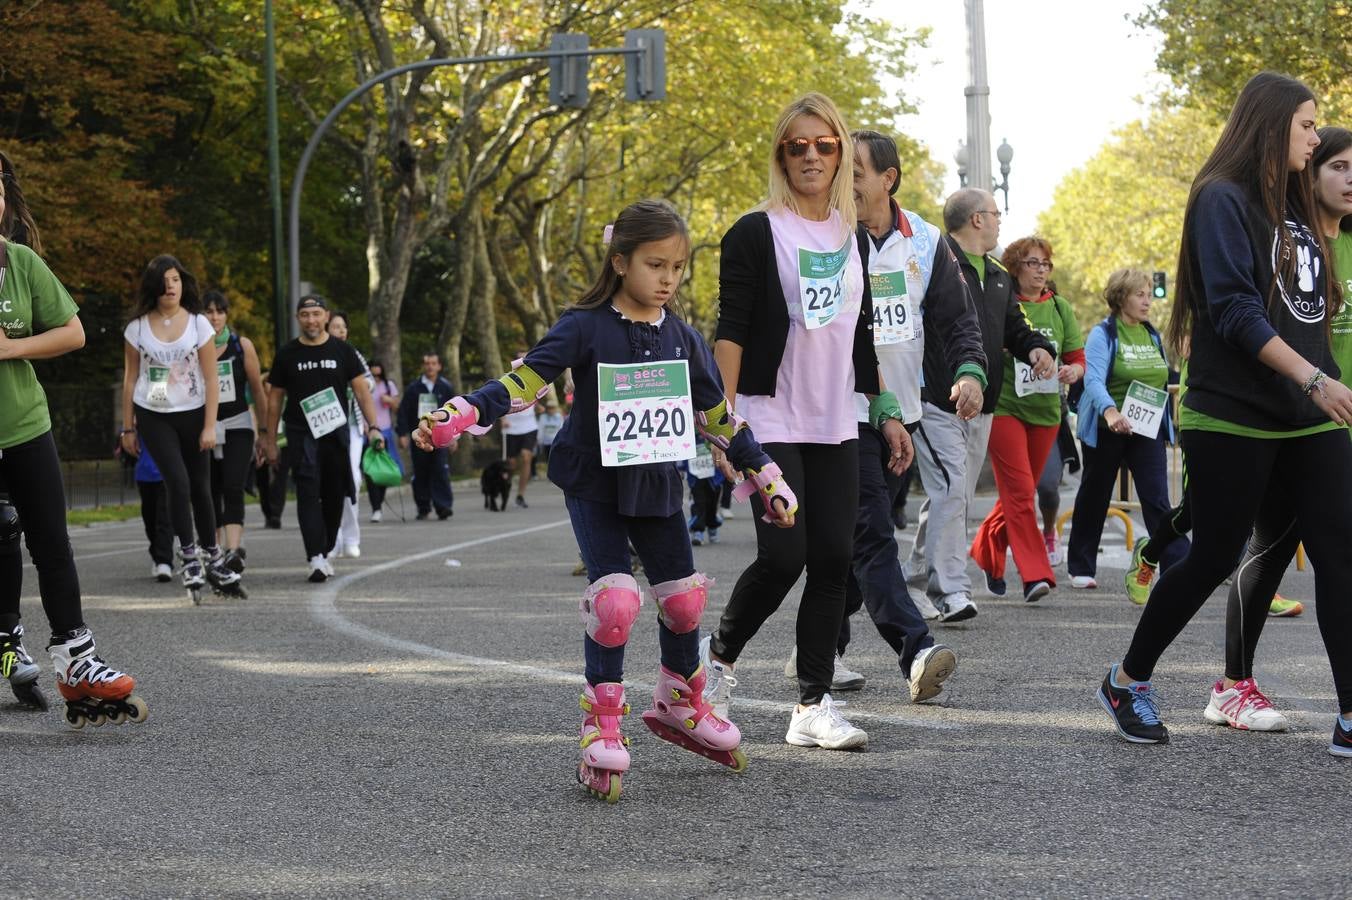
x=1124 y=207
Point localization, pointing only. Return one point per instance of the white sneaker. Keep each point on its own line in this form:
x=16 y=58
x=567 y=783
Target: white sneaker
x=377 y=515
x=727 y=513
x=823 y=725
x=162 y=572
x=1243 y=706
x=352 y=551
x=844 y=678
x=1083 y=582
x=319 y=569
x=718 y=687
x=336 y=552
x=328 y=568
x=956 y=608
x=929 y=670
x=927 y=609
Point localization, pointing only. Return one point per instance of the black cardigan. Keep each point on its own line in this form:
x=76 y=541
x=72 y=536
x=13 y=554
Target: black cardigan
x=752 y=312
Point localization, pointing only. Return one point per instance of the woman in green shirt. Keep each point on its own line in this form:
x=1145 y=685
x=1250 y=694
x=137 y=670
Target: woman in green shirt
x=1123 y=417
x=1027 y=417
x=39 y=320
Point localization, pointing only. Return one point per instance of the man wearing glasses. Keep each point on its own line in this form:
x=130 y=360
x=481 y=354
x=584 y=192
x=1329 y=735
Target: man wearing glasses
x=949 y=449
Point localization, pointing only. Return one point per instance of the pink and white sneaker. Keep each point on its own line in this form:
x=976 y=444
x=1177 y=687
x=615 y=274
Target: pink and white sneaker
x=1243 y=706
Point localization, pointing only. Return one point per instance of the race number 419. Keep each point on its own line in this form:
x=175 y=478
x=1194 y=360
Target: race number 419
x=644 y=413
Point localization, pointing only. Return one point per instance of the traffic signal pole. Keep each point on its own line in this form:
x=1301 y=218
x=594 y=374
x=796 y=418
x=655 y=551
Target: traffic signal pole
x=570 y=92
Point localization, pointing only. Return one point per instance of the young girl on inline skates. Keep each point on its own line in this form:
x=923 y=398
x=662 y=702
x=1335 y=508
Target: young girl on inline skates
x=645 y=381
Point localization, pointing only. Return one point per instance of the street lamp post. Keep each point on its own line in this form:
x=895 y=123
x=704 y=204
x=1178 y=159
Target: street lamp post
x=1004 y=153
x=962 y=157
x=978 y=96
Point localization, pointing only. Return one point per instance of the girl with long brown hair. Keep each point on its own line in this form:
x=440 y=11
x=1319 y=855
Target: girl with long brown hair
x=1260 y=415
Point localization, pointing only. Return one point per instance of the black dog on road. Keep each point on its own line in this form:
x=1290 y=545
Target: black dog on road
x=496 y=483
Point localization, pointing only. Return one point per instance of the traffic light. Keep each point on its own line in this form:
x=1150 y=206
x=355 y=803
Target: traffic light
x=645 y=72
x=1158 y=290
x=568 y=74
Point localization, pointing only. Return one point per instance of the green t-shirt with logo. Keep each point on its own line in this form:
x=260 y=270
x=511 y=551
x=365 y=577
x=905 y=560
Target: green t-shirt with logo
x=1055 y=320
x=1138 y=359
x=31 y=301
x=1342 y=323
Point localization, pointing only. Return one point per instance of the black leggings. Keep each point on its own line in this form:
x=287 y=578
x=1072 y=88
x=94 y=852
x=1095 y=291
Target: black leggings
x=1229 y=479
x=323 y=474
x=1270 y=550
x=228 y=475
x=173 y=441
x=825 y=478
x=32 y=472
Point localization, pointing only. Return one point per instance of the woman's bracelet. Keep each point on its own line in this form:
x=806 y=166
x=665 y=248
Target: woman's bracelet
x=1315 y=382
x=126 y=431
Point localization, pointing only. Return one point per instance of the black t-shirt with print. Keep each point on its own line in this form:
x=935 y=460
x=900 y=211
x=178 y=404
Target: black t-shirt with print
x=305 y=370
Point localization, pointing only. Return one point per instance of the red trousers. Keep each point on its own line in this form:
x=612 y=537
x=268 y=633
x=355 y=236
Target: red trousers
x=1018 y=452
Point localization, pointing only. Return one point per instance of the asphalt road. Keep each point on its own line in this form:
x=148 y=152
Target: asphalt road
x=409 y=729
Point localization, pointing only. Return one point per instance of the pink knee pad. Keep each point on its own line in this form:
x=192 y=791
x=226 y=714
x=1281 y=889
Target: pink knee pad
x=609 y=608
x=680 y=603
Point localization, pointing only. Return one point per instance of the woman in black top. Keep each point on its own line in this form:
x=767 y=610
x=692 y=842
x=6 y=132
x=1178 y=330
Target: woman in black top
x=1254 y=298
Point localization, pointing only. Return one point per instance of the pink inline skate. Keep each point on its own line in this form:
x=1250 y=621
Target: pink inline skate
x=604 y=757
x=681 y=715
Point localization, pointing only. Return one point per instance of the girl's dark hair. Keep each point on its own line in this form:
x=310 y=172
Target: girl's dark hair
x=638 y=223
x=371 y=365
x=1333 y=141
x=17 y=223
x=215 y=298
x=1253 y=152
x=152 y=286
x=339 y=314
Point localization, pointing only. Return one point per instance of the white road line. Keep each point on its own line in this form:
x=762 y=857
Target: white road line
x=323 y=607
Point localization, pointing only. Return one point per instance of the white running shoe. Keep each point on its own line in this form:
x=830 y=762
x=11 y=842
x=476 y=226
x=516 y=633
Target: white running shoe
x=319 y=569
x=1055 y=555
x=929 y=670
x=162 y=572
x=1083 y=582
x=718 y=687
x=823 y=725
x=328 y=568
x=352 y=551
x=842 y=677
x=924 y=606
x=336 y=552
x=377 y=515
x=956 y=608
x=1243 y=706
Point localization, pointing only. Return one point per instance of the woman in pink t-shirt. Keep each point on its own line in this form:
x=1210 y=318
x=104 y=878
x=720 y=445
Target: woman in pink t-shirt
x=793 y=345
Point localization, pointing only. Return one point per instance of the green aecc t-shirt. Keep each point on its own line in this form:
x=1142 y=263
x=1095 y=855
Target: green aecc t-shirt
x=31 y=301
x=1138 y=359
x=1056 y=321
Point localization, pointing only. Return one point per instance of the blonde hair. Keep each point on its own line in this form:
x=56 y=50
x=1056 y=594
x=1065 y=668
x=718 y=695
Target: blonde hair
x=1121 y=285
x=780 y=194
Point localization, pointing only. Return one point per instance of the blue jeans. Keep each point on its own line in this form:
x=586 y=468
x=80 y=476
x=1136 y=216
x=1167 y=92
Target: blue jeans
x=876 y=580
x=663 y=545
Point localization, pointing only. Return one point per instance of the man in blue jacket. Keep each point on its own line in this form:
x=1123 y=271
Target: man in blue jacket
x=431 y=470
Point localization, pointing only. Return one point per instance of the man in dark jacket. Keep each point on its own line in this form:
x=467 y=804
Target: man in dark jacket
x=949 y=450
x=431 y=470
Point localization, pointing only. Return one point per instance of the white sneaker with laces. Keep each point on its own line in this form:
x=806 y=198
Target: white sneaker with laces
x=718 y=687
x=319 y=570
x=328 y=567
x=1083 y=582
x=352 y=551
x=929 y=670
x=162 y=572
x=336 y=552
x=956 y=608
x=824 y=725
x=1244 y=707
x=377 y=515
